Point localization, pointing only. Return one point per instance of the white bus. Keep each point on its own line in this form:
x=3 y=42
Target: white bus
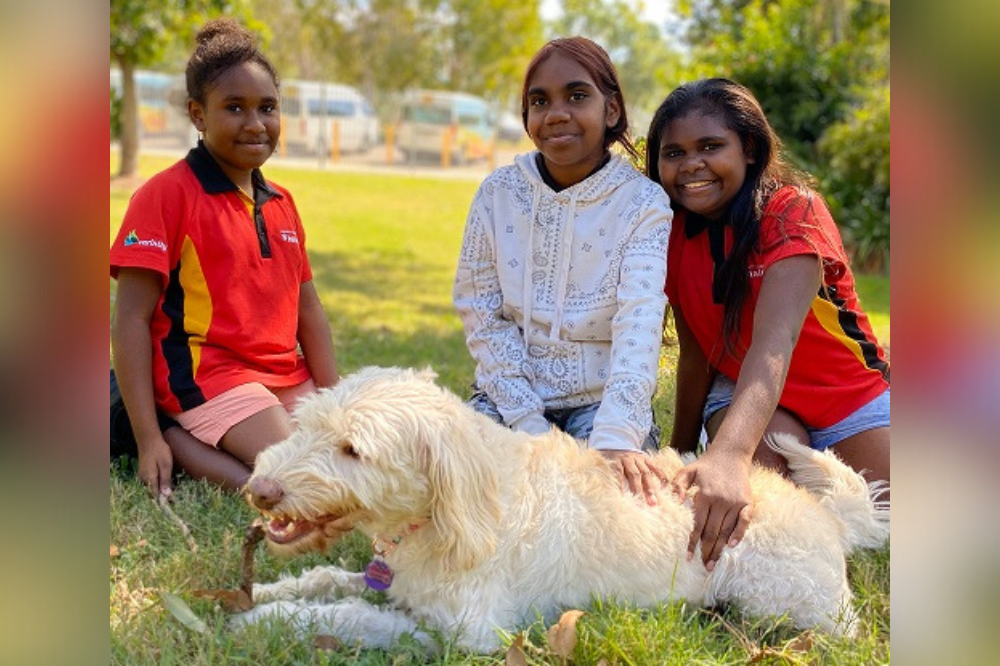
x=162 y=107
x=320 y=117
x=433 y=123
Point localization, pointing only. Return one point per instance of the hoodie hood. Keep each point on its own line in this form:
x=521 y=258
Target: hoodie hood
x=596 y=186
x=551 y=208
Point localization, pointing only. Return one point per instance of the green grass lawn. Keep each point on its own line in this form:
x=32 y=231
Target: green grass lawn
x=383 y=250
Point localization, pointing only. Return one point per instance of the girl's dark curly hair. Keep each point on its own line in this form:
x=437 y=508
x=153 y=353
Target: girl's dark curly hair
x=222 y=43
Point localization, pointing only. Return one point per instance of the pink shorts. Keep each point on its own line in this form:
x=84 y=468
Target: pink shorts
x=213 y=419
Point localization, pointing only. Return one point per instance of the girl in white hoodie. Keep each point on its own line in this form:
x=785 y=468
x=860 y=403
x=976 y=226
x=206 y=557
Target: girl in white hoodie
x=560 y=279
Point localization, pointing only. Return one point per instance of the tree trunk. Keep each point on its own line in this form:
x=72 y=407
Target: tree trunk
x=130 y=121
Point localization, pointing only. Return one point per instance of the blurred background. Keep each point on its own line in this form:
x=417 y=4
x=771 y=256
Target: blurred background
x=432 y=84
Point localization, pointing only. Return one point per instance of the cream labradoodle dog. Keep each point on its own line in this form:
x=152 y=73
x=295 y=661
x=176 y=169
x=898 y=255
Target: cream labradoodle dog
x=478 y=529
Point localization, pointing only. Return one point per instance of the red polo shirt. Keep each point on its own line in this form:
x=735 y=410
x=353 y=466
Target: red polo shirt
x=228 y=314
x=837 y=365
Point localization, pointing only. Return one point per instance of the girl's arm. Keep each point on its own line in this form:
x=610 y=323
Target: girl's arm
x=138 y=293
x=315 y=337
x=723 y=505
x=495 y=341
x=694 y=380
x=624 y=417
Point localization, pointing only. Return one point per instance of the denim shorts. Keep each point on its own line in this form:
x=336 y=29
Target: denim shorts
x=575 y=421
x=873 y=415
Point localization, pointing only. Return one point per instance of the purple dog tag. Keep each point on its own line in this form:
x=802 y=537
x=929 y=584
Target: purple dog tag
x=378 y=575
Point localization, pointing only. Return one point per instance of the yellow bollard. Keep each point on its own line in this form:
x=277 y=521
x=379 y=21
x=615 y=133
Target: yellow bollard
x=390 y=137
x=335 y=140
x=282 y=147
x=445 y=148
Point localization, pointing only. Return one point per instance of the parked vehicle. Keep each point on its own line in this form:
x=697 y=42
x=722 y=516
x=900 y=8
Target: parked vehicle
x=319 y=116
x=162 y=105
x=433 y=123
x=510 y=128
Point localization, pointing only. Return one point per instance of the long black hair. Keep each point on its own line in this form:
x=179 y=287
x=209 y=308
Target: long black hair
x=737 y=108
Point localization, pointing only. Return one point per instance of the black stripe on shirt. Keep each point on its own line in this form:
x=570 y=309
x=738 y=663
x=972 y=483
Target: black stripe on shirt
x=848 y=321
x=176 y=347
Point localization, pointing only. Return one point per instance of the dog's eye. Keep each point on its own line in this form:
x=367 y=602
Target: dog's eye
x=348 y=450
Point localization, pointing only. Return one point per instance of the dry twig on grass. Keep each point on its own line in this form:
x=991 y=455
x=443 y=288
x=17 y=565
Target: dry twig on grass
x=254 y=535
x=163 y=502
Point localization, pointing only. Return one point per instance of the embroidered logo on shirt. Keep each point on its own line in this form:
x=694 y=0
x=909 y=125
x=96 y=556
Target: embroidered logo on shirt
x=289 y=237
x=133 y=239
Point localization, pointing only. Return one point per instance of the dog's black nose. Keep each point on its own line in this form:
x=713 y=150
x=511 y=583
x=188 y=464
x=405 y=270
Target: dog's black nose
x=264 y=492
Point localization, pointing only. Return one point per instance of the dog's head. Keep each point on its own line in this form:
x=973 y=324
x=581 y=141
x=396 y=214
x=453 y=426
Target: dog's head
x=384 y=448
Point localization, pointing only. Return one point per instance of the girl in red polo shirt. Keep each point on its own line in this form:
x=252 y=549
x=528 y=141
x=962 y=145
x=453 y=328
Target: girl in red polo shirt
x=215 y=295
x=772 y=336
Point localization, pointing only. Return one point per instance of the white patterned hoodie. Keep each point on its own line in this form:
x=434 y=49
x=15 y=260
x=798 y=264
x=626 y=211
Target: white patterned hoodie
x=585 y=268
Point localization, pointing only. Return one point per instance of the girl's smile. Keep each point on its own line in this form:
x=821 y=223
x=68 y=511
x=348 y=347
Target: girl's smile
x=568 y=117
x=702 y=163
x=240 y=120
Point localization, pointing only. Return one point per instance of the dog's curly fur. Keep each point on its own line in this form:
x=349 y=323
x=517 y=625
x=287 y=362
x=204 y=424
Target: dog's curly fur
x=499 y=526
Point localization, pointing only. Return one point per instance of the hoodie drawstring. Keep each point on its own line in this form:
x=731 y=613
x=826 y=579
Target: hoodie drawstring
x=529 y=260
x=566 y=246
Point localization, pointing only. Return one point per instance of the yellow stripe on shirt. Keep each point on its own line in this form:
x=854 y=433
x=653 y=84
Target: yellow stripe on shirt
x=197 y=302
x=827 y=315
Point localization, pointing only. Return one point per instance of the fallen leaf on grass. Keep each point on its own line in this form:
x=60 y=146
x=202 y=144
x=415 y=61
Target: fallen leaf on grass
x=515 y=653
x=232 y=601
x=182 y=612
x=323 y=642
x=794 y=652
x=115 y=551
x=801 y=643
x=763 y=653
x=771 y=655
x=562 y=635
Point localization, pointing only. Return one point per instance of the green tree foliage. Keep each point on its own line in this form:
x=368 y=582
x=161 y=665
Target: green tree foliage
x=141 y=32
x=489 y=44
x=817 y=68
x=785 y=53
x=386 y=46
x=116 y=114
x=376 y=45
x=855 y=154
x=646 y=64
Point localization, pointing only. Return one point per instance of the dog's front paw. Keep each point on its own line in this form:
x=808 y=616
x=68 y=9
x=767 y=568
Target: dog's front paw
x=320 y=583
x=293 y=612
x=285 y=589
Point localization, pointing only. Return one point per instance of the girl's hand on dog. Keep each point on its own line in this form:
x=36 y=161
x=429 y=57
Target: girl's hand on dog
x=637 y=472
x=719 y=488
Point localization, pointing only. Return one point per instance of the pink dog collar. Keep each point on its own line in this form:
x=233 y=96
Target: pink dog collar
x=378 y=573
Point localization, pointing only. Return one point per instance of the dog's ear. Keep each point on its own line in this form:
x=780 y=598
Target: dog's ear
x=465 y=507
